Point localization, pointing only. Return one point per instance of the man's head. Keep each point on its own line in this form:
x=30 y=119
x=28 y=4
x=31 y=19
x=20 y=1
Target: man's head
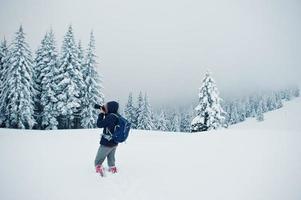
x=111 y=107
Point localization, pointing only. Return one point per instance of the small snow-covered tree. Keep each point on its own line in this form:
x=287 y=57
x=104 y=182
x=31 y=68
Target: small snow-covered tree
x=233 y=114
x=241 y=110
x=185 y=120
x=130 y=111
x=209 y=110
x=46 y=70
x=3 y=75
x=92 y=94
x=174 y=121
x=18 y=88
x=69 y=82
x=259 y=112
x=278 y=99
x=140 y=104
x=296 y=91
x=161 y=123
x=169 y=117
x=144 y=120
x=271 y=102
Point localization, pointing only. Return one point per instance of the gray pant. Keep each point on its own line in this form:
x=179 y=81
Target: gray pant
x=104 y=152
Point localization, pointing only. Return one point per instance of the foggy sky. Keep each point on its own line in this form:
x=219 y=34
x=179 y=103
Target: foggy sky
x=164 y=47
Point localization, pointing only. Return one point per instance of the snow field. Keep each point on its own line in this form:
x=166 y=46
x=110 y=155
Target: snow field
x=251 y=160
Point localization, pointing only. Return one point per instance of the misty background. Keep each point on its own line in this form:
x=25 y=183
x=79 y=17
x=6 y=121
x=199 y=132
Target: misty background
x=164 y=47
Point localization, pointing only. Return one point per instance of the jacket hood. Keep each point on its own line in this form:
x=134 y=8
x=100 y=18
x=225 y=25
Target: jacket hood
x=112 y=107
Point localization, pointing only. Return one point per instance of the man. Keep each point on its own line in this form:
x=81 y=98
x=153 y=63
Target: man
x=107 y=119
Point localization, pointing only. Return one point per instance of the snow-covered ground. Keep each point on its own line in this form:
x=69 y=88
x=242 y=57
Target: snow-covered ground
x=252 y=160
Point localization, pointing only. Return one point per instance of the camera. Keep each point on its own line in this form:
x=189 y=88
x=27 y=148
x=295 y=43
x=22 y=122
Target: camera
x=97 y=106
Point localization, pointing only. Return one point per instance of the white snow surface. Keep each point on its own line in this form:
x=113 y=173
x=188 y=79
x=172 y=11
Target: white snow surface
x=248 y=161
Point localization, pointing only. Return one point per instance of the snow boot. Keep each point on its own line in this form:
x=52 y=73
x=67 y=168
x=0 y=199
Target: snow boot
x=100 y=170
x=113 y=169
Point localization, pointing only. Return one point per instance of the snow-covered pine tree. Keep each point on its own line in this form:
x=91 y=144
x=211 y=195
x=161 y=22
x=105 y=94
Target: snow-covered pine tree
x=241 y=110
x=3 y=54
x=278 y=99
x=264 y=100
x=144 y=120
x=296 y=91
x=271 y=102
x=161 y=123
x=174 y=121
x=209 y=110
x=153 y=120
x=92 y=94
x=259 y=112
x=18 y=88
x=185 y=121
x=81 y=58
x=169 y=117
x=3 y=74
x=287 y=94
x=81 y=52
x=69 y=82
x=252 y=103
x=38 y=65
x=247 y=107
x=130 y=111
x=45 y=72
x=233 y=115
x=140 y=106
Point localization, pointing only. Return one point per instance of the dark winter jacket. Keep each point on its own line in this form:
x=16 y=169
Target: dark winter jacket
x=108 y=122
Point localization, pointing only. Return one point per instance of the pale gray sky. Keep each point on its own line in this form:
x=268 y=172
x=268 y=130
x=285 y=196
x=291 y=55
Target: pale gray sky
x=165 y=46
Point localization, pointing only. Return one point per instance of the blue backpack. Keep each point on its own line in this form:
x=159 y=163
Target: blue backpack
x=121 y=130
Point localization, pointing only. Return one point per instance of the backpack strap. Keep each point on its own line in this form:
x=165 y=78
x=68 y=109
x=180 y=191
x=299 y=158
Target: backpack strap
x=116 y=115
x=107 y=129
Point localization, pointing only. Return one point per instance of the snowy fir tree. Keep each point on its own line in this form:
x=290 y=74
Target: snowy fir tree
x=38 y=65
x=209 y=110
x=241 y=111
x=233 y=113
x=150 y=114
x=259 y=112
x=81 y=53
x=153 y=119
x=144 y=120
x=3 y=56
x=92 y=93
x=140 y=106
x=270 y=102
x=18 y=92
x=161 y=123
x=46 y=70
x=130 y=111
x=82 y=62
x=174 y=121
x=185 y=122
x=169 y=117
x=296 y=91
x=81 y=59
x=69 y=82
